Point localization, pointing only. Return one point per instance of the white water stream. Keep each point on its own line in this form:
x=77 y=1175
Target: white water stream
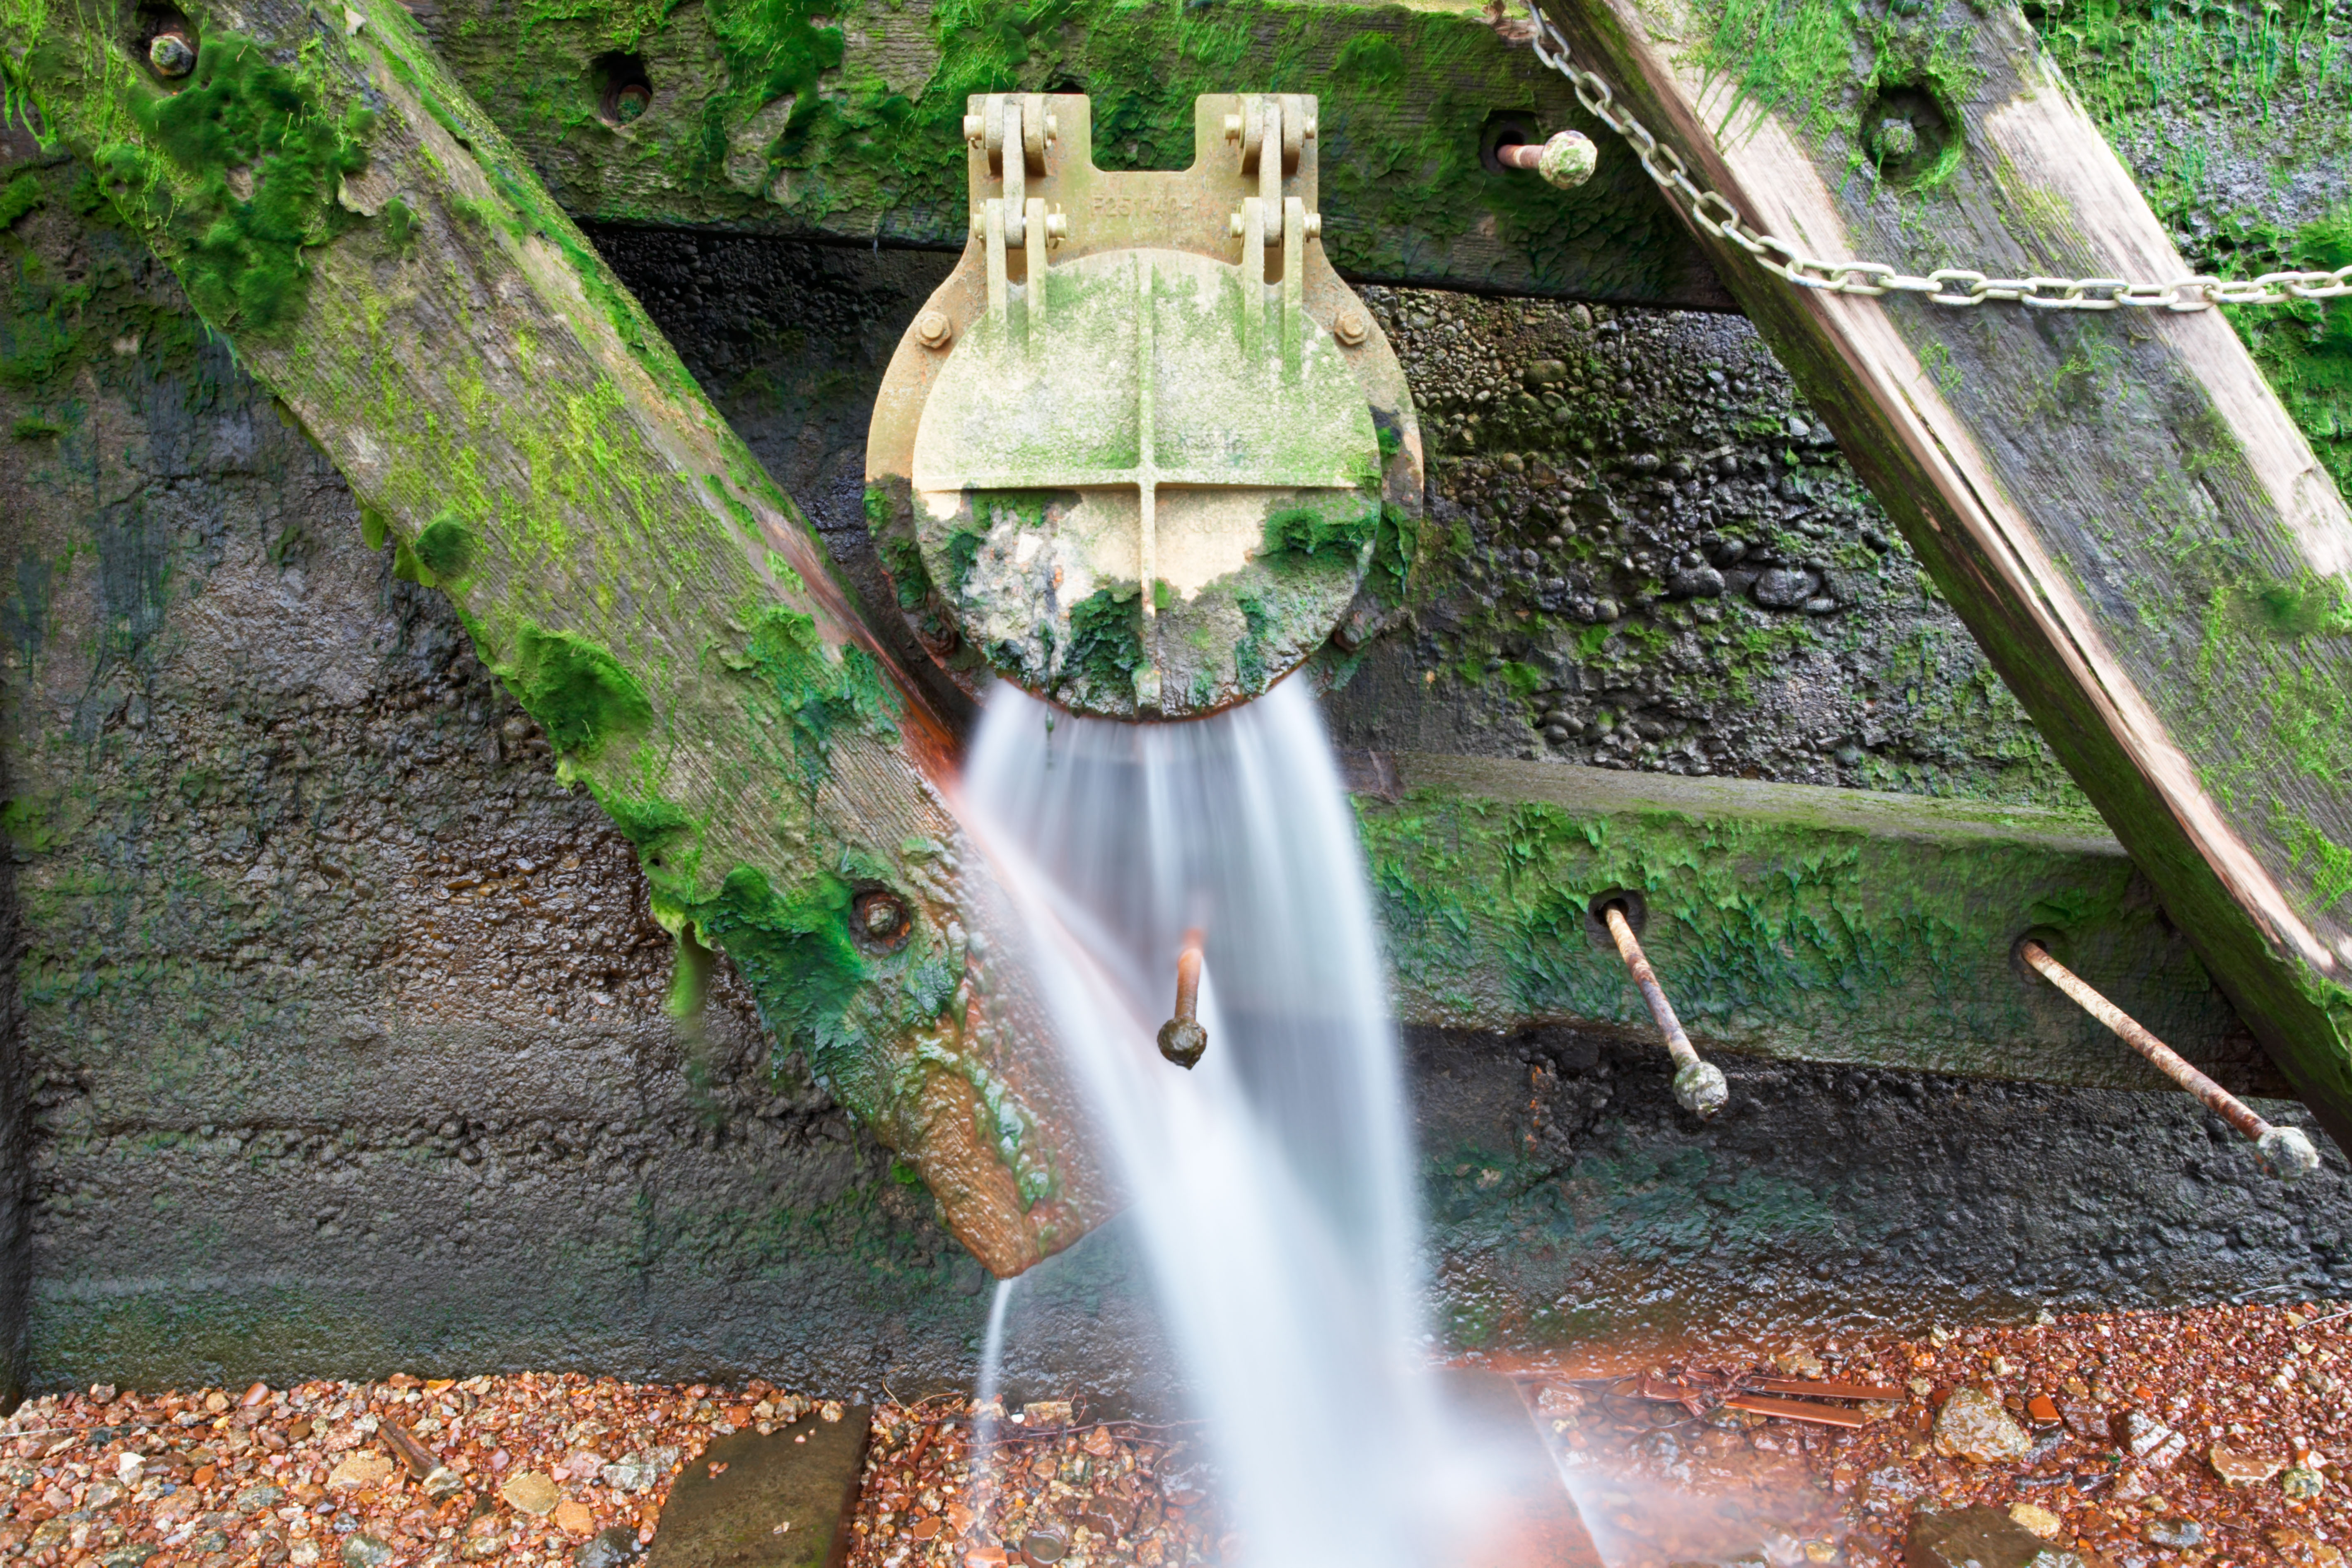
x=1273 y=1184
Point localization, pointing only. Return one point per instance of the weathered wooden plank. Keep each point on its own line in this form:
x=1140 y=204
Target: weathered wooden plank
x=381 y=258
x=845 y=122
x=1796 y=922
x=2115 y=502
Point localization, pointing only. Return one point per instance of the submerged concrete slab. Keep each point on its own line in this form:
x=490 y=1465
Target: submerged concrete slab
x=1788 y=921
x=782 y=1501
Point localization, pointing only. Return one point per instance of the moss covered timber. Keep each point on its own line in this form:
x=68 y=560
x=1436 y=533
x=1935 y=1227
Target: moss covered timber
x=791 y=116
x=2118 y=506
x=382 y=260
x=1785 y=921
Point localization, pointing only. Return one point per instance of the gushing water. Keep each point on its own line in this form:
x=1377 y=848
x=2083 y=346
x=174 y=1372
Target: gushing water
x=1272 y=1184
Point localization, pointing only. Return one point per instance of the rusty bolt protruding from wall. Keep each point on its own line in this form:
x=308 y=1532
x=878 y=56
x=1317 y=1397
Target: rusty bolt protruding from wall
x=933 y=329
x=1566 y=161
x=1181 y=1038
x=2286 y=1151
x=1698 y=1084
x=880 y=920
x=171 y=54
x=1352 y=327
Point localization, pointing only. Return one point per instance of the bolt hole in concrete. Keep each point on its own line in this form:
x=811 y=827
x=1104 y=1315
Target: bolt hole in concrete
x=1907 y=132
x=622 y=89
x=1596 y=915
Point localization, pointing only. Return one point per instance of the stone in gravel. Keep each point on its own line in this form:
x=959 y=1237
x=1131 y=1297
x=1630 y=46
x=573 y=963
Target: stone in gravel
x=2302 y=1483
x=607 y=1548
x=2085 y=1417
x=1783 y=588
x=2237 y=1469
x=359 y=1470
x=635 y=1473
x=441 y=1482
x=573 y=1516
x=2037 y=1519
x=531 y=1492
x=1978 y=1538
x=1972 y=1426
x=2149 y=1440
x=2302 y=1548
x=2177 y=1534
x=364 y=1550
x=130 y=1556
x=1696 y=582
x=807 y=1479
x=253 y=1498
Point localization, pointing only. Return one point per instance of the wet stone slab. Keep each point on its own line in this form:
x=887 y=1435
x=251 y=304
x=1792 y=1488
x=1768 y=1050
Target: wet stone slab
x=778 y=1501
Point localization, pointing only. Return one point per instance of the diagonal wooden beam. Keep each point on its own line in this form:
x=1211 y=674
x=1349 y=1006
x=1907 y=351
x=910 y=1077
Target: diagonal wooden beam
x=381 y=258
x=2115 y=502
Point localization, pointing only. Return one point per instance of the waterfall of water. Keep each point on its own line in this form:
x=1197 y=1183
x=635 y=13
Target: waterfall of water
x=1273 y=1184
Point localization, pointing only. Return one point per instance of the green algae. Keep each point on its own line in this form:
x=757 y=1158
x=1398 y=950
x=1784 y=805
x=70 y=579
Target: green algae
x=582 y=696
x=1105 y=640
x=447 y=549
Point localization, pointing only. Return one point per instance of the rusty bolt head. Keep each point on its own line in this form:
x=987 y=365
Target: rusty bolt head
x=1233 y=128
x=1895 y=139
x=1567 y=160
x=1314 y=226
x=1233 y=224
x=933 y=329
x=1352 y=327
x=171 y=54
x=1182 y=1041
x=1053 y=128
x=1057 y=228
x=974 y=128
x=880 y=921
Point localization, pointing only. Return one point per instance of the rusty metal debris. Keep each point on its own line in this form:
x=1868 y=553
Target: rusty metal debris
x=1698 y=1084
x=2286 y=1151
x=1181 y=1038
x=1700 y=1391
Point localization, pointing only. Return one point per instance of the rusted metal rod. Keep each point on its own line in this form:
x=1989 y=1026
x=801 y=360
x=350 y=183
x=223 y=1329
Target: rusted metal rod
x=1567 y=159
x=2286 y=1151
x=1698 y=1084
x=1181 y=1038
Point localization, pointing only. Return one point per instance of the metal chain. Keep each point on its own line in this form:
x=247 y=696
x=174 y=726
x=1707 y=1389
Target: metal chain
x=1945 y=286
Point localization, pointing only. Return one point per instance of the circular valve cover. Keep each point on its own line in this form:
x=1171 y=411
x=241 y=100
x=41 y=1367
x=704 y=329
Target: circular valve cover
x=1134 y=445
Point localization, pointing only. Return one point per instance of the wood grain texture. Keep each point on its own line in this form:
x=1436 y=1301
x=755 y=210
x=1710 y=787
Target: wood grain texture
x=503 y=409
x=2115 y=502
x=871 y=150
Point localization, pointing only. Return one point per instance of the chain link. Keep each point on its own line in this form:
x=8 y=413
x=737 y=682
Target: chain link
x=1945 y=286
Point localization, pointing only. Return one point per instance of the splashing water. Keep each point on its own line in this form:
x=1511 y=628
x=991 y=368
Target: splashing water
x=988 y=1409
x=1272 y=1184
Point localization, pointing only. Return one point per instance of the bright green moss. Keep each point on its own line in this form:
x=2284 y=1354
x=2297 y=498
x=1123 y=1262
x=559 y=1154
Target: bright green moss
x=1107 y=640
x=240 y=119
x=20 y=196
x=1294 y=533
x=447 y=549
x=795 y=952
x=579 y=693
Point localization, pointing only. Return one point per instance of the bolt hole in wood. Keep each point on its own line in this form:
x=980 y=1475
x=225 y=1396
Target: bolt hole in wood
x=622 y=88
x=166 y=40
x=880 y=921
x=1907 y=134
x=1596 y=915
x=1507 y=128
